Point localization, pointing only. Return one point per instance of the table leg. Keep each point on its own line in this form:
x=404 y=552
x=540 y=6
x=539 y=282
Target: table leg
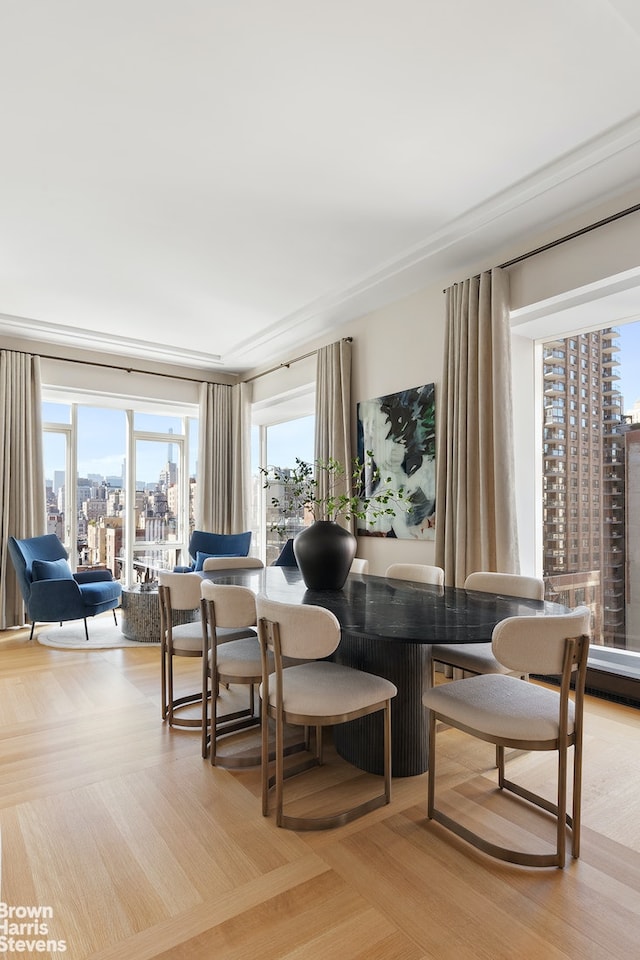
x=360 y=741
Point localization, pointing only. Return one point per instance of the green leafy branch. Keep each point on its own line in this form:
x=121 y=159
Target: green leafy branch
x=301 y=490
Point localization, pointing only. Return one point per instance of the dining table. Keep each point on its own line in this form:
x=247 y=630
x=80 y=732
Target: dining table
x=387 y=628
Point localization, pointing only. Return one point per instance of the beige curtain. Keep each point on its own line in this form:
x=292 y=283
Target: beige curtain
x=333 y=410
x=224 y=458
x=22 y=504
x=476 y=518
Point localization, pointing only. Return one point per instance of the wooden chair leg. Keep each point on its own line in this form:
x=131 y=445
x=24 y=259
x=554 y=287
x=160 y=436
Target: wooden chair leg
x=387 y=751
x=577 y=800
x=279 y=769
x=170 y=687
x=163 y=678
x=265 y=760
x=562 y=805
x=205 y=698
x=213 y=730
x=431 y=775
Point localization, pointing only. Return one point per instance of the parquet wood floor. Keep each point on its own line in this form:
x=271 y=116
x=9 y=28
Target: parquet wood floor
x=143 y=851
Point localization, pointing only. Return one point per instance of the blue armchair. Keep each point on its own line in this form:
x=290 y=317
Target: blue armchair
x=287 y=557
x=203 y=545
x=50 y=590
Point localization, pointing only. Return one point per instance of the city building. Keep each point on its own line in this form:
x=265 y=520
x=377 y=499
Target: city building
x=632 y=580
x=104 y=540
x=584 y=479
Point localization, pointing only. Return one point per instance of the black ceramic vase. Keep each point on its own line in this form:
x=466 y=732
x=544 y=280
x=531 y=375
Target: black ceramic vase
x=324 y=552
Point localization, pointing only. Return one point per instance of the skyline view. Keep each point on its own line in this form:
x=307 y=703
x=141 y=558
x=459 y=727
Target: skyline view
x=100 y=428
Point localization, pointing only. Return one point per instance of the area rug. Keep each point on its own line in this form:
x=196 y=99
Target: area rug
x=103 y=635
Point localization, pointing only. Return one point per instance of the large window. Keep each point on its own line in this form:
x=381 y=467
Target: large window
x=283 y=443
x=120 y=483
x=281 y=432
x=596 y=561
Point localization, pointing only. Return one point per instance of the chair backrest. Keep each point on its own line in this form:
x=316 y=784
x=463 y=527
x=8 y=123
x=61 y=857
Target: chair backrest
x=359 y=566
x=509 y=584
x=24 y=552
x=183 y=589
x=219 y=544
x=537 y=644
x=418 y=572
x=231 y=563
x=233 y=605
x=306 y=632
x=287 y=557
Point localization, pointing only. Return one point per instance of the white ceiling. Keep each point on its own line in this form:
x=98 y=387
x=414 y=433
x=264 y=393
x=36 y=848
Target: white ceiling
x=212 y=182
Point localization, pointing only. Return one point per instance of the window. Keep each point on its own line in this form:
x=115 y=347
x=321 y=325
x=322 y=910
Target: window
x=119 y=483
x=57 y=464
x=283 y=444
x=283 y=428
x=609 y=488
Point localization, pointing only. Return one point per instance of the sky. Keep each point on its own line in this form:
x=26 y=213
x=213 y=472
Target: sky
x=102 y=442
x=289 y=440
x=629 y=369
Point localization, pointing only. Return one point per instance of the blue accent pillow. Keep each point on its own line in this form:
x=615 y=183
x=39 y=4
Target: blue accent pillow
x=201 y=557
x=51 y=570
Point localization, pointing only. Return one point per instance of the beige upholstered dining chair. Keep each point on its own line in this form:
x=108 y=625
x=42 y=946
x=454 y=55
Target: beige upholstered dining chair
x=225 y=634
x=418 y=572
x=510 y=712
x=231 y=563
x=232 y=656
x=181 y=591
x=178 y=591
x=316 y=693
x=510 y=584
x=359 y=565
x=478 y=657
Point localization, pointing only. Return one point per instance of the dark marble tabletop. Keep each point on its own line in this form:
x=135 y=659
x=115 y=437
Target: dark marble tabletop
x=394 y=610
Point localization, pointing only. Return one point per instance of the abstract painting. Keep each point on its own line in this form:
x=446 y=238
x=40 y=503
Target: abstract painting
x=399 y=430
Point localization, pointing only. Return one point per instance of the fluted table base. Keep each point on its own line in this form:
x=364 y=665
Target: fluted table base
x=360 y=741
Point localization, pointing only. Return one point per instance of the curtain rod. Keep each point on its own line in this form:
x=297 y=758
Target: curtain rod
x=570 y=236
x=288 y=363
x=170 y=376
x=114 y=366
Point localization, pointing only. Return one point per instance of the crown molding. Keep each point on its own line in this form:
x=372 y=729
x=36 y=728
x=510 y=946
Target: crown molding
x=58 y=333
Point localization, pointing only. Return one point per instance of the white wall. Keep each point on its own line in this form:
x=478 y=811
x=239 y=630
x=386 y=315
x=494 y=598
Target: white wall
x=112 y=387
x=394 y=348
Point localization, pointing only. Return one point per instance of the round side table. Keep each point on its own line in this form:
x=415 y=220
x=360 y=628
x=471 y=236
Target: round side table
x=140 y=618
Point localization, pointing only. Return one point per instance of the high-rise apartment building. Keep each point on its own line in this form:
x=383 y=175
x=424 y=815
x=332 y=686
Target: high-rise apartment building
x=584 y=479
x=632 y=586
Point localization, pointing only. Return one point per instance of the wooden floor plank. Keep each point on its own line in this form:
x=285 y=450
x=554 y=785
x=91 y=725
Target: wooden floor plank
x=144 y=851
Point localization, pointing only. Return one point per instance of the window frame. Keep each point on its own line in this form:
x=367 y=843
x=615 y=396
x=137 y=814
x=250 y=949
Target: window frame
x=612 y=672
x=281 y=407
x=182 y=410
